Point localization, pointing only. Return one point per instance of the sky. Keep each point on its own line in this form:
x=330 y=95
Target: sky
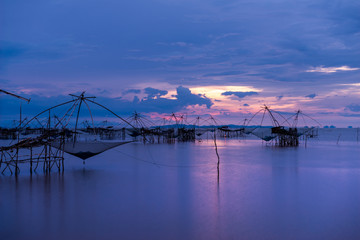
x=198 y=57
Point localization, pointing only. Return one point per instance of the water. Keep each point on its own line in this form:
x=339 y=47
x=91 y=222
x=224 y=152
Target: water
x=171 y=192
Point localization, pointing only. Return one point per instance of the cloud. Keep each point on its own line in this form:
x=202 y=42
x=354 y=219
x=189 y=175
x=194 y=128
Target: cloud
x=323 y=69
x=350 y=115
x=177 y=44
x=10 y=50
x=156 y=103
x=4 y=81
x=279 y=97
x=185 y=97
x=313 y=95
x=353 y=107
x=229 y=73
x=239 y=94
x=154 y=93
x=246 y=105
x=181 y=44
x=136 y=99
x=136 y=91
x=285 y=113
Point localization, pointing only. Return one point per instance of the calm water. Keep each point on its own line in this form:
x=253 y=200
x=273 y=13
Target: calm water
x=263 y=193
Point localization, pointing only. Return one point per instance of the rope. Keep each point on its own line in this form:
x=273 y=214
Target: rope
x=161 y=164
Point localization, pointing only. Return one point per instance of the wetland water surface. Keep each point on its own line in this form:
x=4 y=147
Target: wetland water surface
x=263 y=193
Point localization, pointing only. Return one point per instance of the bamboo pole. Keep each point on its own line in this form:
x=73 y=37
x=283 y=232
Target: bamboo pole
x=218 y=157
x=31 y=160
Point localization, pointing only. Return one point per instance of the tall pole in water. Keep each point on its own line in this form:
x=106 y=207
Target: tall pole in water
x=218 y=157
x=20 y=121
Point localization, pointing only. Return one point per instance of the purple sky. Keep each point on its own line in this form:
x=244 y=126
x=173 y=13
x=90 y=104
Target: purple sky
x=226 y=58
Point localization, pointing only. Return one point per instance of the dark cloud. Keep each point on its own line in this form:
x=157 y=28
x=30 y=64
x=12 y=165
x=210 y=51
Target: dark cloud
x=313 y=95
x=10 y=50
x=239 y=94
x=230 y=73
x=136 y=99
x=4 y=81
x=154 y=93
x=325 y=113
x=28 y=52
x=185 y=97
x=353 y=107
x=246 y=105
x=350 y=115
x=156 y=103
x=136 y=91
x=217 y=47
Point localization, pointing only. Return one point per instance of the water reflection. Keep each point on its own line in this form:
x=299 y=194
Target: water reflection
x=263 y=193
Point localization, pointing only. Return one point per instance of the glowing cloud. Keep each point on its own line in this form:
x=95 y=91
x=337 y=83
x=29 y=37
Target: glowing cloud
x=323 y=69
x=216 y=91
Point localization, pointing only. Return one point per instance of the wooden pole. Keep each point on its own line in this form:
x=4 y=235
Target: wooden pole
x=16 y=161
x=218 y=157
x=31 y=161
